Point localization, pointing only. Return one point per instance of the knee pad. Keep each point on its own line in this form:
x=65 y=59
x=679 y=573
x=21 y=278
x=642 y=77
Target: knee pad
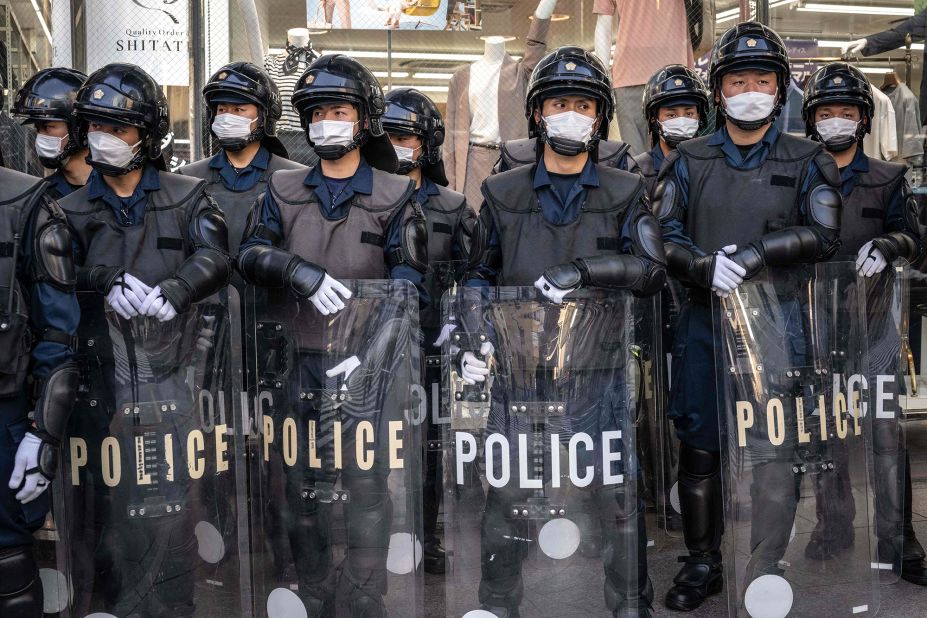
x=697 y=463
x=20 y=587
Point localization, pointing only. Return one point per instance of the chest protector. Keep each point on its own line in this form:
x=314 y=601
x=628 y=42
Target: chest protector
x=730 y=206
x=350 y=247
x=864 y=209
x=519 y=152
x=236 y=205
x=443 y=213
x=530 y=244
x=151 y=251
x=19 y=194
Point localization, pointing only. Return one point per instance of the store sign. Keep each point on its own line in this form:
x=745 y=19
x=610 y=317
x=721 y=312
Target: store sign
x=150 y=33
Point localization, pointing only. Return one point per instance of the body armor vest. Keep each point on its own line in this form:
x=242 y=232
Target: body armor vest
x=519 y=152
x=736 y=206
x=645 y=168
x=443 y=213
x=19 y=194
x=236 y=205
x=530 y=244
x=151 y=251
x=864 y=209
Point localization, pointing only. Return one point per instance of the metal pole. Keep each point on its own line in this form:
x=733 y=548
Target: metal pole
x=762 y=11
x=198 y=53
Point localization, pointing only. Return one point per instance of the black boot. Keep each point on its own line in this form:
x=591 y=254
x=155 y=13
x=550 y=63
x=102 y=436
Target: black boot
x=435 y=556
x=700 y=498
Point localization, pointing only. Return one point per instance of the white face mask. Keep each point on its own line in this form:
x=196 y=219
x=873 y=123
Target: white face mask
x=332 y=132
x=405 y=154
x=570 y=125
x=750 y=106
x=230 y=126
x=836 y=127
x=680 y=127
x=48 y=146
x=110 y=150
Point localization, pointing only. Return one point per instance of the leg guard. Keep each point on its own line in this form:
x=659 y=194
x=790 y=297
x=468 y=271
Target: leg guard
x=890 y=504
x=501 y=585
x=368 y=516
x=702 y=524
x=626 y=587
x=20 y=587
x=774 y=494
x=913 y=566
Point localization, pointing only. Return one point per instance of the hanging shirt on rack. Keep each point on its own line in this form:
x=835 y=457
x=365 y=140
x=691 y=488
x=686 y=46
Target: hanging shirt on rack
x=882 y=141
x=285 y=70
x=907 y=121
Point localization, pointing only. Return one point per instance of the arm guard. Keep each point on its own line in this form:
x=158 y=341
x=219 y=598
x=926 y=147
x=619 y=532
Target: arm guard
x=206 y=271
x=689 y=268
x=54 y=259
x=98 y=278
x=902 y=242
x=643 y=272
x=271 y=267
x=481 y=253
x=56 y=399
x=815 y=242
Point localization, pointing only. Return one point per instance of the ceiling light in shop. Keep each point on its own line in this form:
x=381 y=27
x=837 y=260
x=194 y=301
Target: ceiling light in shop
x=840 y=44
x=876 y=70
x=394 y=74
x=730 y=14
x=432 y=75
x=38 y=13
x=382 y=55
x=421 y=88
x=854 y=9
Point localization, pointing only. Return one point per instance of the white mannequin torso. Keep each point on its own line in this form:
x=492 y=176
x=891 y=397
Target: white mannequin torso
x=484 y=93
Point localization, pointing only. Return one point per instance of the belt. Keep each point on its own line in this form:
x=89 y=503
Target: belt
x=487 y=146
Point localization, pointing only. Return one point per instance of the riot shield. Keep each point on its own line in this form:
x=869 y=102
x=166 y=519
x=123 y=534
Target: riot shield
x=795 y=444
x=150 y=503
x=339 y=458
x=540 y=494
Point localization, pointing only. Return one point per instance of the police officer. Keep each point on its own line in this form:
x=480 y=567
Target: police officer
x=47 y=101
x=349 y=217
x=37 y=305
x=416 y=129
x=243 y=106
x=675 y=107
x=879 y=226
x=149 y=243
x=720 y=229
x=593 y=229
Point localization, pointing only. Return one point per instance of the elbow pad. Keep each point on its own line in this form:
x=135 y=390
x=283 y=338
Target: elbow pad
x=413 y=247
x=895 y=245
x=271 y=267
x=203 y=274
x=210 y=229
x=54 y=261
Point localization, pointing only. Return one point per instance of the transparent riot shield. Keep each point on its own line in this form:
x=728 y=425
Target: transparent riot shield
x=540 y=487
x=339 y=459
x=794 y=443
x=891 y=377
x=150 y=502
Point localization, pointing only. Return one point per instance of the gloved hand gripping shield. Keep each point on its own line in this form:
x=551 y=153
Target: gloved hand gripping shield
x=795 y=443
x=541 y=467
x=339 y=458
x=152 y=492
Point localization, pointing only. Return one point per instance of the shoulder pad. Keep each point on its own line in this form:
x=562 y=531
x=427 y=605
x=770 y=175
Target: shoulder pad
x=177 y=190
x=697 y=148
x=665 y=202
x=450 y=201
x=16 y=185
x=517 y=152
x=496 y=188
x=884 y=172
x=611 y=152
x=210 y=228
x=415 y=243
x=287 y=186
x=828 y=168
x=197 y=169
x=389 y=191
x=645 y=164
x=76 y=203
x=794 y=147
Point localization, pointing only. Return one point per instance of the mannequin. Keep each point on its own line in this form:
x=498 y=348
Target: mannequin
x=285 y=69
x=485 y=102
x=649 y=36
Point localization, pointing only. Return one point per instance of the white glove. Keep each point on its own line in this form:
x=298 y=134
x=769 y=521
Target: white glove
x=870 y=261
x=347 y=367
x=446 y=332
x=127 y=296
x=728 y=274
x=551 y=291
x=474 y=370
x=27 y=459
x=854 y=47
x=326 y=298
x=157 y=306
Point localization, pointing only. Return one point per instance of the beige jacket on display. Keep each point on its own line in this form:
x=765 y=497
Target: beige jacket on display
x=513 y=82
